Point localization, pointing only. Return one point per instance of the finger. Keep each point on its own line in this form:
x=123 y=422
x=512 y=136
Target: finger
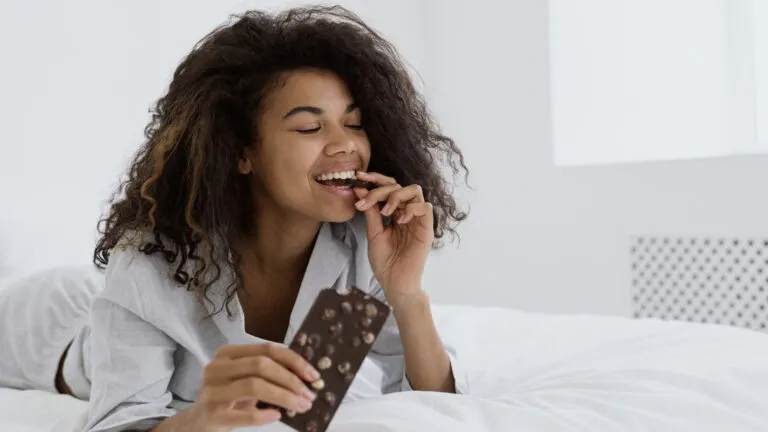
x=282 y=355
x=401 y=196
x=416 y=210
x=376 y=195
x=376 y=178
x=361 y=192
x=292 y=361
x=374 y=223
x=231 y=419
x=266 y=368
x=257 y=389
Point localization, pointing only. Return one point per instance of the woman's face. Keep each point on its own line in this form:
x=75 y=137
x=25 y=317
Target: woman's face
x=309 y=131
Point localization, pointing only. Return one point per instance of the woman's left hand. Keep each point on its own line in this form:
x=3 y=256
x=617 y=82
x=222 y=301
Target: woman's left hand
x=397 y=252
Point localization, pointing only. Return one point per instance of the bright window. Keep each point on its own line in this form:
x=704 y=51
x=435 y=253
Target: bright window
x=649 y=80
x=760 y=53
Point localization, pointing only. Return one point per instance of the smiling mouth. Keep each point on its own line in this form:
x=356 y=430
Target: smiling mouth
x=342 y=179
x=338 y=183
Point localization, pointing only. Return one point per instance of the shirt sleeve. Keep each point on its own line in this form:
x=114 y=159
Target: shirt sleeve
x=132 y=360
x=387 y=353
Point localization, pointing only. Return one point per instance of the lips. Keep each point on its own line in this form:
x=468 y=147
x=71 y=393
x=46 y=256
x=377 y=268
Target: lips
x=338 y=183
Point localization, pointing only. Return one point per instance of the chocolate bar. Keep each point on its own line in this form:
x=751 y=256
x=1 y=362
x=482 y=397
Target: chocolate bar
x=336 y=336
x=355 y=183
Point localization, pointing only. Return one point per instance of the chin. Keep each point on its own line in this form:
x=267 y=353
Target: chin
x=340 y=216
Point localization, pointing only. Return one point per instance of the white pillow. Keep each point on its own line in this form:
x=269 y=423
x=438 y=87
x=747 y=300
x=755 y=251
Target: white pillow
x=37 y=411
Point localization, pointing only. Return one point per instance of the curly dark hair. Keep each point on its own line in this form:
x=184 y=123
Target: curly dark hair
x=183 y=193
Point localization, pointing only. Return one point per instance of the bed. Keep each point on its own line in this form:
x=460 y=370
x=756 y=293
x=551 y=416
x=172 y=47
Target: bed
x=540 y=372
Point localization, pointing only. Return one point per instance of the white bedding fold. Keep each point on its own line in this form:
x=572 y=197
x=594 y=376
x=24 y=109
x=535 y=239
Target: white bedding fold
x=548 y=373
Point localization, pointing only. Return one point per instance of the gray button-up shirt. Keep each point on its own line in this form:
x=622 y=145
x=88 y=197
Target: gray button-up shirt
x=151 y=339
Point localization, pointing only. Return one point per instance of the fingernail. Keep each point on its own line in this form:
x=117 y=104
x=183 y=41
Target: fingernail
x=401 y=219
x=271 y=416
x=303 y=405
x=313 y=374
x=309 y=394
x=386 y=211
x=360 y=204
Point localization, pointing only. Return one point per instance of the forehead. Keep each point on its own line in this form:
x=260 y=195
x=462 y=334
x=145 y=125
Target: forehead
x=309 y=87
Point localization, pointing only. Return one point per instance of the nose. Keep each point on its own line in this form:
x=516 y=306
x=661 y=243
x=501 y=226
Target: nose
x=340 y=141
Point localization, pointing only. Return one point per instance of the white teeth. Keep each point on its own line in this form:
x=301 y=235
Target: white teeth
x=336 y=175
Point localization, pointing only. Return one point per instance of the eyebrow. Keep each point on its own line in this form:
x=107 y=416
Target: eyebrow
x=315 y=110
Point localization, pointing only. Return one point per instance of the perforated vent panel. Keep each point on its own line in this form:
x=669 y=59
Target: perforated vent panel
x=709 y=280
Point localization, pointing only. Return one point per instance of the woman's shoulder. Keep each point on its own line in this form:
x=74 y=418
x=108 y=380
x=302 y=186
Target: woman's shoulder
x=140 y=282
x=128 y=263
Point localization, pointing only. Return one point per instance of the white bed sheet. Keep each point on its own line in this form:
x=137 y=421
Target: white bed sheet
x=548 y=373
x=36 y=411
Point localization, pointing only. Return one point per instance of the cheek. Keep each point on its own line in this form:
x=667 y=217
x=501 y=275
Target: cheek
x=286 y=159
x=290 y=176
x=365 y=152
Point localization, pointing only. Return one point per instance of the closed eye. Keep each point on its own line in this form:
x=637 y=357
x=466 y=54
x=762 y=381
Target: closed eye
x=317 y=129
x=308 y=131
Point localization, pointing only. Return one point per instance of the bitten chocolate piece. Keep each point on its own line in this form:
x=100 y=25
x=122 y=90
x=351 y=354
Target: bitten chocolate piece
x=336 y=336
x=355 y=183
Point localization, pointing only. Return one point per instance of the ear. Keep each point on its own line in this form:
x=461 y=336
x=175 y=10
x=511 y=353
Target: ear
x=244 y=166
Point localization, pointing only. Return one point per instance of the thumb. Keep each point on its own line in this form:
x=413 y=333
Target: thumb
x=429 y=217
x=374 y=223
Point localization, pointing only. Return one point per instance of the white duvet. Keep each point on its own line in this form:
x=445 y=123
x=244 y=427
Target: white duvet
x=543 y=373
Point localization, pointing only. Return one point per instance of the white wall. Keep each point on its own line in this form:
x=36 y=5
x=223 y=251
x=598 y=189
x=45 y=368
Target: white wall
x=547 y=238
x=76 y=83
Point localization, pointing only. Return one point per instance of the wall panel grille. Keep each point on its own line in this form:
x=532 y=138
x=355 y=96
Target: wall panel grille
x=701 y=279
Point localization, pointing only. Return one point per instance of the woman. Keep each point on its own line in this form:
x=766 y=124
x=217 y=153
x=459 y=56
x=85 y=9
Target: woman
x=236 y=212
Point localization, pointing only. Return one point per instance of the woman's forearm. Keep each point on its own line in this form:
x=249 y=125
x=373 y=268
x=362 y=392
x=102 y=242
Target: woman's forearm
x=427 y=365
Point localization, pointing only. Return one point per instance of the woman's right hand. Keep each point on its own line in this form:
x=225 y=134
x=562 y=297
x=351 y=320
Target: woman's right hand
x=240 y=376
